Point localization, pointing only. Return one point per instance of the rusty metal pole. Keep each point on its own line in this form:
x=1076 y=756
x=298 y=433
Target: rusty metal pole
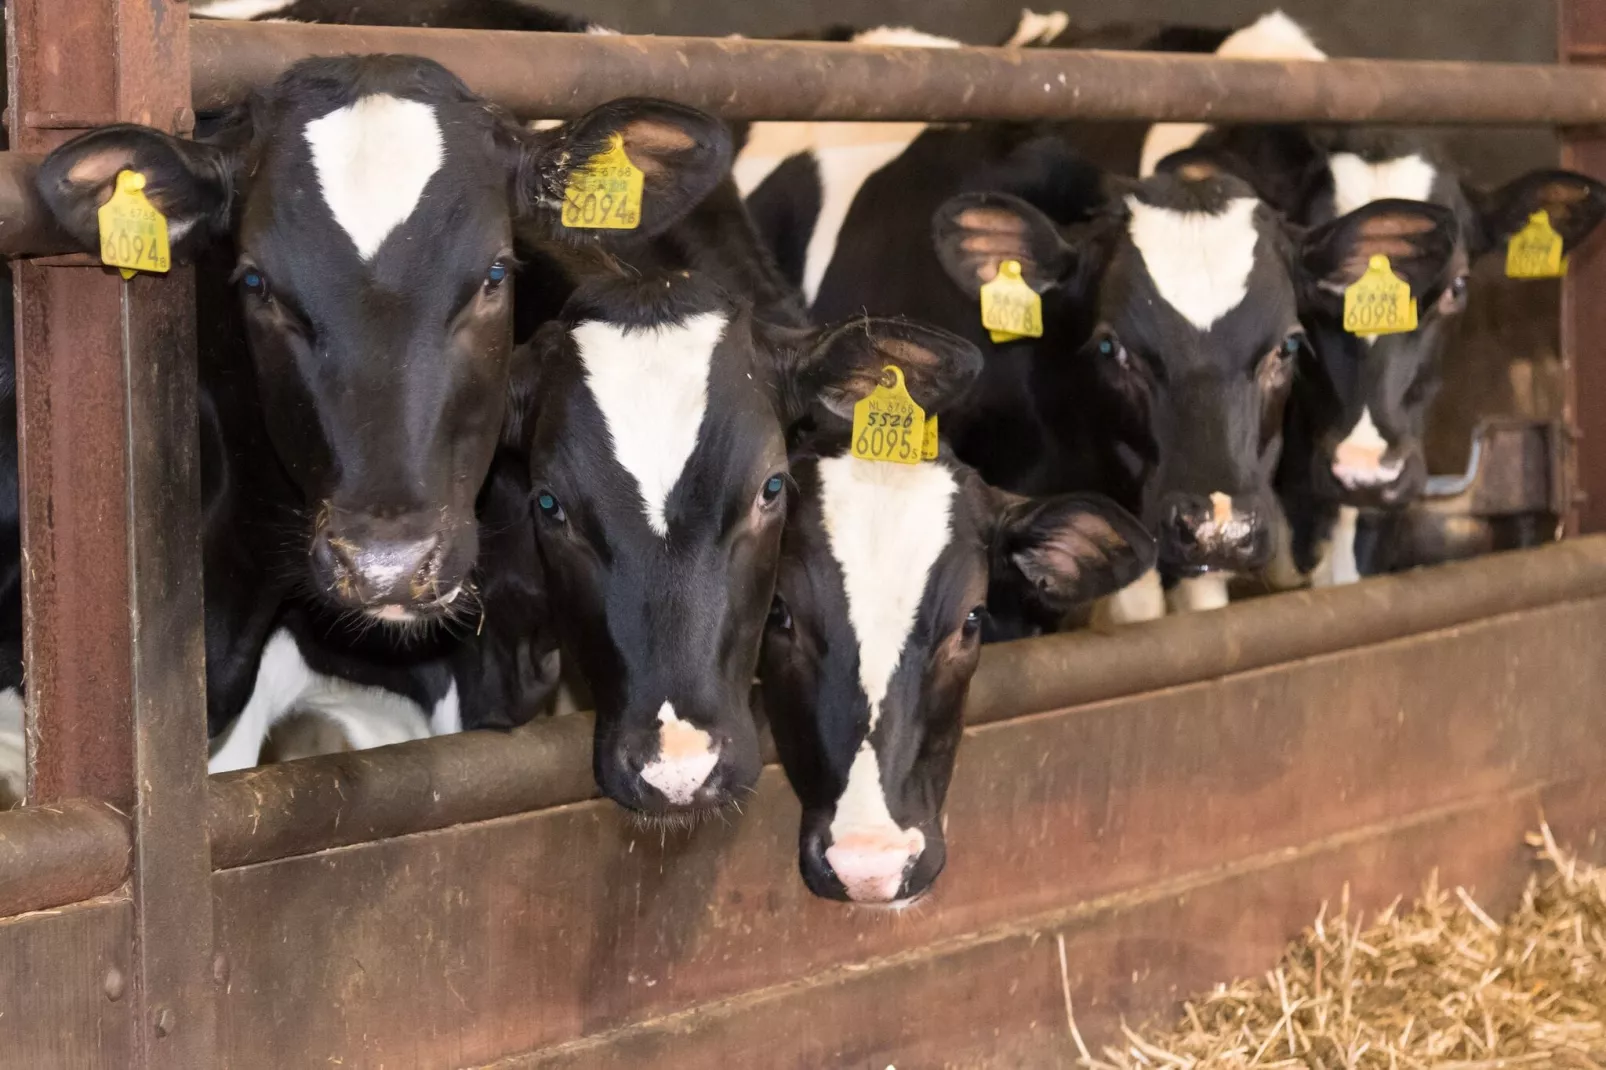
x=111 y=514
x=1582 y=25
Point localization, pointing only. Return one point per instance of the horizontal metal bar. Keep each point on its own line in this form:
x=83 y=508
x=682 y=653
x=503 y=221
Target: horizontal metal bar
x=26 y=226
x=541 y=75
x=338 y=800
x=61 y=853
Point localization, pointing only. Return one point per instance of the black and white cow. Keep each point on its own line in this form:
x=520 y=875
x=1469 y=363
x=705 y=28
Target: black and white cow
x=365 y=210
x=1356 y=427
x=1195 y=289
x=657 y=422
x=886 y=575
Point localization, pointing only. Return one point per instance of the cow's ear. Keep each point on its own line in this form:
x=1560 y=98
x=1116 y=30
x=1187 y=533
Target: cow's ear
x=1067 y=550
x=976 y=232
x=681 y=152
x=189 y=182
x=1418 y=238
x=1575 y=204
x=835 y=367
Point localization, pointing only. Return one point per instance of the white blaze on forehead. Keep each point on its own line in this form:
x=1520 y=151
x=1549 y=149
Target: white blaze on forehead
x=847 y=154
x=887 y=525
x=1273 y=36
x=373 y=159
x=686 y=755
x=1200 y=263
x=1357 y=183
x=652 y=388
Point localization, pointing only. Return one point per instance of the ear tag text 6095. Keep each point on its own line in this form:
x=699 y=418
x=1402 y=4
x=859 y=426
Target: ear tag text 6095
x=605 y=194
x=133 y=233
x=887 y=424
x=1010 y=308
x=1535 y=251
x=1379 y=302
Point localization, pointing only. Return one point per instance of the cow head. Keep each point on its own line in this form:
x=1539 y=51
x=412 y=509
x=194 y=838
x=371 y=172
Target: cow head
x=1197 y=290
x=657 y=437
x=875 y=633
x=371 y=204
x=1378 y=389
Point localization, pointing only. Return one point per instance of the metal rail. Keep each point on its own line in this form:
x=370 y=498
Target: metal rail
x=542 y=75
x=338 y=800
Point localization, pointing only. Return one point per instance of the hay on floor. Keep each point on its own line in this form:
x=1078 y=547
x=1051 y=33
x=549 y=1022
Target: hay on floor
x=1440 y=985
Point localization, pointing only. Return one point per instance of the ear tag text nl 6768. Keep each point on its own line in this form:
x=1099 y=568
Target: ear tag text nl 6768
x=605 y=194
x=1010 y=308
x=887 y=424
x=133 y=233
x=1535 y=251
x=1379 y=302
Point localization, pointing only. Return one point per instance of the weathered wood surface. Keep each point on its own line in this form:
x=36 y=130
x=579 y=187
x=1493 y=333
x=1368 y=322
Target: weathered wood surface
x=58 y=972
x=468 y=945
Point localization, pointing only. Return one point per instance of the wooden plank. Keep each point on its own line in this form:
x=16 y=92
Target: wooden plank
x=998 y=998
x=110 y=484
x=468 y=944
x=62 y=968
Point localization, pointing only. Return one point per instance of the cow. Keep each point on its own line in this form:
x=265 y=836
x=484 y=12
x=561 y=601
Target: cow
x=1356 y=424
x=364 y=210
x=887 y=575
x=656 y=426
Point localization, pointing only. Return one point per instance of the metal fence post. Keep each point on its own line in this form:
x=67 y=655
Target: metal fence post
x=111 y=486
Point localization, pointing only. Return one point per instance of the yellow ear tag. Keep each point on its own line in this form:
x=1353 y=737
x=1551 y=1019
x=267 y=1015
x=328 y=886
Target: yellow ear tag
x=1535 y=251
x=1011 y=309
x=605 y=194
x=1379 y=302
x=928 y=448
x=133 y=234
x=887 y=424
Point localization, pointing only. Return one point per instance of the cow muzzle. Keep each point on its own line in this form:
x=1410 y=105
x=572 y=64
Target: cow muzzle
x=391 y=569
x=1201 y=534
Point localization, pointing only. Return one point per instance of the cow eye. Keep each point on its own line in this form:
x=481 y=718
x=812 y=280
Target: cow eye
x=548 y=504
x=254 y=283
x=495 y=276
x=1292 y=347
x=780 y=617
x=1110 y=348
x=1458 y=287
x=973 y=621
x=773 y=486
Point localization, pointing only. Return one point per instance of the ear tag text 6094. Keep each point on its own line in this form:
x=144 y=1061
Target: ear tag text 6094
x=1379 y=302
x=133 y=233
x=605 y=194
x=887 y=424
x=1535 y=251
x=1010 y=308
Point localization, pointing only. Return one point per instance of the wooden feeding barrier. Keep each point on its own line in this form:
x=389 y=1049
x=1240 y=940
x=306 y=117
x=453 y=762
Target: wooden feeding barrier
x=1133 y=816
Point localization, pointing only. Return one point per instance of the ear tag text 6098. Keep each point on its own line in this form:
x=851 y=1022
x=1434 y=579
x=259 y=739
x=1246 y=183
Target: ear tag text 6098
x=133 y=233
x=1379 y=302
x=887 y=424
x=1010 y=308
x=605 y=194
x=1535 y=251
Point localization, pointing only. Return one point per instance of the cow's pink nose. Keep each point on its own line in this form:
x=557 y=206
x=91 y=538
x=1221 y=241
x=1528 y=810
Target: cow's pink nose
x=871 y=864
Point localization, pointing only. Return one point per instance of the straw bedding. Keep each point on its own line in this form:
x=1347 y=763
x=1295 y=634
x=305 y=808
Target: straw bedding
x=1441 y=984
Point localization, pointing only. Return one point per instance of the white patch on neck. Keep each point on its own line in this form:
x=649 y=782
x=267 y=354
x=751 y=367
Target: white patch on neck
x=887 y=525
x=1200 y=263
x=1357 y=183
x=446 y=719
x=13 y=747
x=286 y=684
x=1196 y=594
x=238 y=9
x=1337 y=566
x=1273 y=36
x=1141 y=600
x=1035 y=29
x=1358 y=461
x=652 y=388
x=373 y=159
x=847 y=155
